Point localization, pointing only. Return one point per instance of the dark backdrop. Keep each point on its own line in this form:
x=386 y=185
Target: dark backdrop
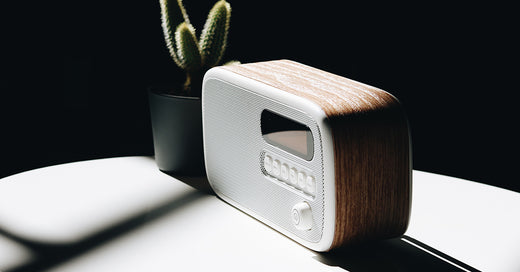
x=76 y=73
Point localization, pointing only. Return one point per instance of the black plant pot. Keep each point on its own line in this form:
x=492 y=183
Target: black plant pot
x=177 y=133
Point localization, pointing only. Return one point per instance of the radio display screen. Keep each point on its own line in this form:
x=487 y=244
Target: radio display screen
x=289 y=135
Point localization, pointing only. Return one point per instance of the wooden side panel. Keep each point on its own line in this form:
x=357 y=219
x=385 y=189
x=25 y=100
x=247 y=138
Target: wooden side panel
x=373 y=171
x=371 y=147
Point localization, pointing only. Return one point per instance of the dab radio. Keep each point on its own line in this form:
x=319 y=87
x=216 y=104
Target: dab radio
x=323 y=159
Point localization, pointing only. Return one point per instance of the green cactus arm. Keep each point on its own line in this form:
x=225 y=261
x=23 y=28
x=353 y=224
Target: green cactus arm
x=231 y=62
x=213 y=39
x=173 y=14
x=188 y=52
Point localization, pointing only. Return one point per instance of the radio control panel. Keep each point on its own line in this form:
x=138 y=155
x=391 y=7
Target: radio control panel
x=289 y=173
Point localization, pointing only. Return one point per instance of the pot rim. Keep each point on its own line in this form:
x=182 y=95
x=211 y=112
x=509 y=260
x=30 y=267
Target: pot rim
x=161 y=92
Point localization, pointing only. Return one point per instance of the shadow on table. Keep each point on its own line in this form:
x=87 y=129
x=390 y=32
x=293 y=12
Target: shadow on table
x=48 y=255
x=200 y=183
x=399 y=254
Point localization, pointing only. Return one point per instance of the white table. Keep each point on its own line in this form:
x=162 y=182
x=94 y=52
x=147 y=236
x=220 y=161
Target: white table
x=123 y=214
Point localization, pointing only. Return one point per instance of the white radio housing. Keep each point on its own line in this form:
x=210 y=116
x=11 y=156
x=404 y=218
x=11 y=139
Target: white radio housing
x=271 y=152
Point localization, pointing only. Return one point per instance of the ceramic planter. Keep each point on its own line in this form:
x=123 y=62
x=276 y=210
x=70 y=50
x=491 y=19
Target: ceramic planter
x=177 y=133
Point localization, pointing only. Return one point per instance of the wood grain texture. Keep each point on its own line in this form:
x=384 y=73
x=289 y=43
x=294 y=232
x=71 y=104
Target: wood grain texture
x=371 y=147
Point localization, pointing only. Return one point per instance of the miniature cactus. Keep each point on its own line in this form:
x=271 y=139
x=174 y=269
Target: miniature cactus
x=195 y=56
x=188 y=52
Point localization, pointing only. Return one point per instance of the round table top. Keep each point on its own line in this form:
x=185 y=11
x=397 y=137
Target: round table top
x=123 y=214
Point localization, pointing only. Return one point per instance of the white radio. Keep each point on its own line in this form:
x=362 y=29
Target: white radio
x=323 y=159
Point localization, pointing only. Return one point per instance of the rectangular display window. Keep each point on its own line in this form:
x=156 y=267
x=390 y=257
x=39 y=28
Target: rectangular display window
x=289 y=135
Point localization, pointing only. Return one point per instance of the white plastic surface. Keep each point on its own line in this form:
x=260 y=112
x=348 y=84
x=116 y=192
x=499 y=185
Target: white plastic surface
x=236 y=187
x=181 y=229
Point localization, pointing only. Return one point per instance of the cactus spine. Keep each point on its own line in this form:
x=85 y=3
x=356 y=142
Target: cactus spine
x=195 y=56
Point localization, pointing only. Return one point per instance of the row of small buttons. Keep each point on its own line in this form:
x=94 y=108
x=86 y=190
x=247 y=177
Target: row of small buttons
x=289 y=175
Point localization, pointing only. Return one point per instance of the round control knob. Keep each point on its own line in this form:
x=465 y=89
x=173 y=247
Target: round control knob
x=301 y=215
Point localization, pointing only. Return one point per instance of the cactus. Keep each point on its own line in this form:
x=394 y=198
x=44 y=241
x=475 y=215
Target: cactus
x=195 y=56
x=213 y=39
x=188 y=52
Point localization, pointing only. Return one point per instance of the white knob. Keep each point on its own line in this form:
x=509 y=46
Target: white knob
x=301 y=215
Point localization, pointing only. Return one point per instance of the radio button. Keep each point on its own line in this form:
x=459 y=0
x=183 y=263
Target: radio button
x=302 y=179
x=268 y=164
x=301 y=215
x=276 y=168
x=293 y=176
x=284 y=172
x=311 y=185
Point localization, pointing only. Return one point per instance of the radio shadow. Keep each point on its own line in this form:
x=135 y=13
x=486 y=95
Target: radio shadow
x=399 y=254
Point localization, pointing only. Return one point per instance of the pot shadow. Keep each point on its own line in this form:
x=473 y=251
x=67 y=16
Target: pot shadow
x=200 y=183
x=398 y=254
x=47 y=255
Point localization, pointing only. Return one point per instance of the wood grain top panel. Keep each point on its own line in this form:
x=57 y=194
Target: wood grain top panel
x=336 y=95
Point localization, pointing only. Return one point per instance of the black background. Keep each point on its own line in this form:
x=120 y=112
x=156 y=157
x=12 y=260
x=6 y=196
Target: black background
x=76 y=74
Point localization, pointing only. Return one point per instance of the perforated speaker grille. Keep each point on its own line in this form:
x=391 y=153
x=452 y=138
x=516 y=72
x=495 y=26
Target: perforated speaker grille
x=234 y=148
